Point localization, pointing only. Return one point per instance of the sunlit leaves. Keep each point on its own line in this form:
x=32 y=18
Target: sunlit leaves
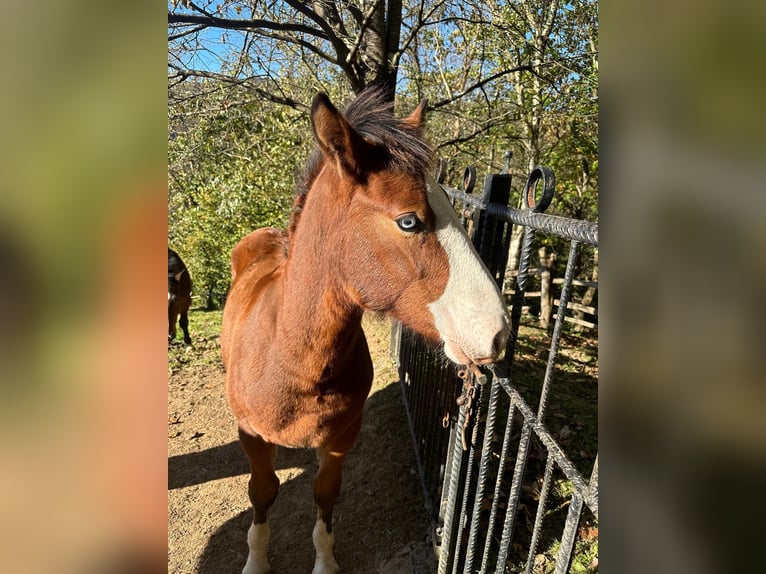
x=231 y=167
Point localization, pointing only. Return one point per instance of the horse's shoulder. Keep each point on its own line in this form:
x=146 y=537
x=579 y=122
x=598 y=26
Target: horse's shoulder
x=267 y=245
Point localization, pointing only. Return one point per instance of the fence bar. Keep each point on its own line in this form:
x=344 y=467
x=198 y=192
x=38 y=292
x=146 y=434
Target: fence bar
x=593 y=488
x=518 y=296
x=568 y=537
x=574 y=229
x=513 y=498
x=446 y=554
x=422 y=374
x=469 y=475
x=556 y=337
x=496 y=495
x=540 y=514
x=572 y=474
x=521 y=455
x=488 y=230
x=489 y=429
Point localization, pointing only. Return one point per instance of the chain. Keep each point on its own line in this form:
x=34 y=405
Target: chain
x=470 y=377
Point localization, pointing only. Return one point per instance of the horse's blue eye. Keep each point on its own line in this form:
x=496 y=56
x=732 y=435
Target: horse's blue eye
x=409 y=222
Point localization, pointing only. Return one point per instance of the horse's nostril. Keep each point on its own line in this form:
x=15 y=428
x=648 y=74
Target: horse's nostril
x=498 y=343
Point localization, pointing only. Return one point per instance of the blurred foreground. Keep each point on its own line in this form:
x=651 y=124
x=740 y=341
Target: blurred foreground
x=82 y=336
x=82 y=344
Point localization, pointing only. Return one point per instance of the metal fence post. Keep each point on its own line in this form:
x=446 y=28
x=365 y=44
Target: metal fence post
x=490 y=236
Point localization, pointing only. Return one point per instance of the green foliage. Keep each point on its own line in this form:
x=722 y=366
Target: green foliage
x=232 y=164
x=585 y=554
x=536 y=65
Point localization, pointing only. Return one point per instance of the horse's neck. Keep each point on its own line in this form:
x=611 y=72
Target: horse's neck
x=318 y=327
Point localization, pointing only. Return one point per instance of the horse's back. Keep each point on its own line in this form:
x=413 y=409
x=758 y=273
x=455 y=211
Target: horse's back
x=256 y=262
x=263 y=247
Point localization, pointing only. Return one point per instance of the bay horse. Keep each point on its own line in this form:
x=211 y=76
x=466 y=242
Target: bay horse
x=370 y=230
x=179 y=296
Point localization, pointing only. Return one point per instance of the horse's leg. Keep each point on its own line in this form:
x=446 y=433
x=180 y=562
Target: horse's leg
x=326 y=490
x=262 y=489
x=184 y=322
x=172 y=317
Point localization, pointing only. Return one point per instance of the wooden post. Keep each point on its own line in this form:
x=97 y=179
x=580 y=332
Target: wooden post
x=546 y=292
x=590 y=292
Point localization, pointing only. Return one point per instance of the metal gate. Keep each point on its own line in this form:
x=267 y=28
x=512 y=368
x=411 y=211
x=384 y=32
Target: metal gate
x=472 y=458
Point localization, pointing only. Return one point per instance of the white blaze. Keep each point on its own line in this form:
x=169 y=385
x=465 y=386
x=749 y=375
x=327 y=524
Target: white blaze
x=470 y=316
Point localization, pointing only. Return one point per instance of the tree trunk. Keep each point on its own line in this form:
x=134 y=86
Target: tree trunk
x=533 y=109
x=381 y=43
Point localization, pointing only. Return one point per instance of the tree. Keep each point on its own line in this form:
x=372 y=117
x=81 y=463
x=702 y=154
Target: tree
x=519 y=75
x=230 y=169
x=275 y=47
x=361 y=39
x=556 y=98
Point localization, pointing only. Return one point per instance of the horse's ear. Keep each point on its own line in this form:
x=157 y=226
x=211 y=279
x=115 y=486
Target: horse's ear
x=417 y=119
x=336 y=138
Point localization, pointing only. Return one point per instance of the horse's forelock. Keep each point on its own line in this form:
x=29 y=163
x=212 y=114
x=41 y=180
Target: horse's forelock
x=372 y=116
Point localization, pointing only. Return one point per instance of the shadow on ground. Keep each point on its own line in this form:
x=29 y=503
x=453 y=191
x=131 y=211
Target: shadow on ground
x=380 y=517
x=211 y=464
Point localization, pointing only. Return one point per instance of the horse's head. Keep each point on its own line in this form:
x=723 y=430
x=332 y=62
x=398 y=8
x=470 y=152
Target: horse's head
x=400 y=246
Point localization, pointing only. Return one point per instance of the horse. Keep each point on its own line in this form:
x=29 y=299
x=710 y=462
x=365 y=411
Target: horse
x=370 y=231
x=179 y=296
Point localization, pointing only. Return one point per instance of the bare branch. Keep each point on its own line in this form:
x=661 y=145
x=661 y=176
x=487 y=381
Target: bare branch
x=249 y=83
x=420 y=24
x=471 y=136
x=252 y=25
x=329 y=11
x=299 y=41
x=322 y=23
x=186 y=33
x=198 y=9
x=480 y=83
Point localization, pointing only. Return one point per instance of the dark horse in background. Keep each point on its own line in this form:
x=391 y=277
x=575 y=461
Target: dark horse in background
x=179 y=296
x=370 y=231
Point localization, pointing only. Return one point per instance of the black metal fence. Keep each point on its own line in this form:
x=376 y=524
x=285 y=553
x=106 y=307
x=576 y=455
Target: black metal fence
x=486 y=463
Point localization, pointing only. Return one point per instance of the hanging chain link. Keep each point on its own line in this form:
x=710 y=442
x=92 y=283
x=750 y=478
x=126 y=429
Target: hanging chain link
x=470 y=376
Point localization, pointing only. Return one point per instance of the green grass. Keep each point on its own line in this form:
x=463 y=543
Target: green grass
x=584 y=556
x=205 y=332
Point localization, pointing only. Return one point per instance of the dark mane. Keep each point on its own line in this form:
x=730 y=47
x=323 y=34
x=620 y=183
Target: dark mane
x=373 y=118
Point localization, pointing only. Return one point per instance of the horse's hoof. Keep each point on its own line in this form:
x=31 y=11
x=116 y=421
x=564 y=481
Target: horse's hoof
x=256 y=568
x=326 y=567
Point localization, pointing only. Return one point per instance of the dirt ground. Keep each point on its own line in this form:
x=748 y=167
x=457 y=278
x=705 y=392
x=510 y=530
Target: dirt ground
x=380 y=522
